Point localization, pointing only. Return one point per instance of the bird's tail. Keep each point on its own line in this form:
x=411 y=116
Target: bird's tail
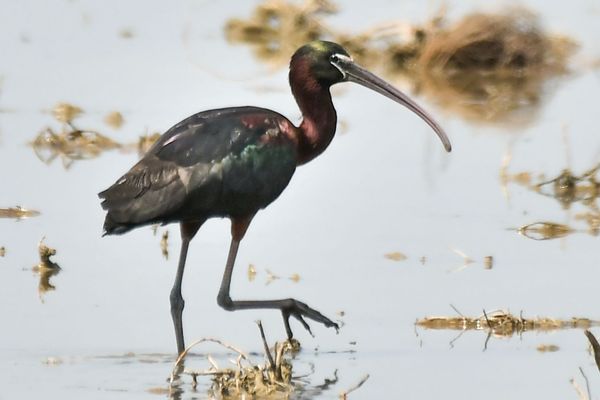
x=112 y=227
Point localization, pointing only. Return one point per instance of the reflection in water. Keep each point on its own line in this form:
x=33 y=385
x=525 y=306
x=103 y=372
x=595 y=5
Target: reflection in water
x=485 y=68
x=164 y=245
x=545 y=230
x=18 y=212
x=504 y=324
x=45 y=274
x=568 y=189
x=46 y=269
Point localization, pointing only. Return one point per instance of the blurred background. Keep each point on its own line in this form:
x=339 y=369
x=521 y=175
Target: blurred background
x=381 y=233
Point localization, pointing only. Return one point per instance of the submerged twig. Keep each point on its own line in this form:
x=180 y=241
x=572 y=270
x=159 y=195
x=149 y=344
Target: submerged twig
x=344 y=394
x=265 y=345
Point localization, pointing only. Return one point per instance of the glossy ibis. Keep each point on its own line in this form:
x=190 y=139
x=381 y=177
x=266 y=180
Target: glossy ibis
x=232 y=162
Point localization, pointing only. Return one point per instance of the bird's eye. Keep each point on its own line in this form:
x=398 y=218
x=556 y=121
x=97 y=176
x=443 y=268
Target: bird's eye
x=334 y=58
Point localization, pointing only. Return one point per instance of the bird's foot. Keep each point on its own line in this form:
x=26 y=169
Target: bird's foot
x=299 y=310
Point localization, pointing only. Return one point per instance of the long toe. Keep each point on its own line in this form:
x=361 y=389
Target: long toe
x=300 y=310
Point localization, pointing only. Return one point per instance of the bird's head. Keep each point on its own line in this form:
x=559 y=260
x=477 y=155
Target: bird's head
x=327 y=63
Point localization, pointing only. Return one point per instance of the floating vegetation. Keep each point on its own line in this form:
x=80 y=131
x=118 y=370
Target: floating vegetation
x=114 y=119
x=278 y=27
x=545 y=230
x=126 y=33
x=251 y=273
x=45 y=253
x=145 y=142
x=2 y=251
x=271 y=277
x=488 y=262
x=46 y=268
x=65 y=112
x=484 y=67
x=395 y=256
x=18 y=212
x=568 y=189
x=503 y=324
x=164 y=244
x=70 y=144
x=547 y=348
x=272 y=379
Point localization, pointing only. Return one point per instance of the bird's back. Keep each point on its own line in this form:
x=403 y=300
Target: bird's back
x=224 y=162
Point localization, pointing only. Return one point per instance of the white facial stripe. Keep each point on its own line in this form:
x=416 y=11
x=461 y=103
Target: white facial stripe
x=344 y=58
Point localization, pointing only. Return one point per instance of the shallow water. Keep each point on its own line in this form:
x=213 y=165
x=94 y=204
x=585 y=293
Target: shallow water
x=384 y=185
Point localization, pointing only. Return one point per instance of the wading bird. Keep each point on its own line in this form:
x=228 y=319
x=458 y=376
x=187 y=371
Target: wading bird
x=232 y=162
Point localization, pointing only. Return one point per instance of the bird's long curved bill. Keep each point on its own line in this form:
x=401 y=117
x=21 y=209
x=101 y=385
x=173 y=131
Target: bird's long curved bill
x=356 y=73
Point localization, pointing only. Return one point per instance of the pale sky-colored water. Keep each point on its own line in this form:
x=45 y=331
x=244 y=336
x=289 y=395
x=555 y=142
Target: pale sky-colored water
x=384 y=185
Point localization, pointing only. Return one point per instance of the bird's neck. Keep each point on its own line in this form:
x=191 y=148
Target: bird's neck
x=319 y=117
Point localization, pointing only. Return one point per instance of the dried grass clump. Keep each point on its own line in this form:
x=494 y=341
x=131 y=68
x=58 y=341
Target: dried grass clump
x=272 y=380
x=277 y=28
x=485 y=67
x=70 y=144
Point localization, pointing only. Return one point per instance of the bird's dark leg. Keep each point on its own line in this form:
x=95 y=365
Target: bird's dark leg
x=289 y=307
x=188 y=230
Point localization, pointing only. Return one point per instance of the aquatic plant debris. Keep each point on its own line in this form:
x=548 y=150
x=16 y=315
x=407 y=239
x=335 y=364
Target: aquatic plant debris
x=70 y=144
x=395 y=256
x=503 y=323
x=45 y=253
x=278 y=27
x=272 y=379
x=251 y=272
x=2 y=251
x=145 y=142
x=114 y=119
x=568 y=189
x=18 y=212
x=485 y=67
x=65 y=112
x=45 y=269
x=547 y=348
x=164 y=244
x=345 y=393
x=545 y=230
